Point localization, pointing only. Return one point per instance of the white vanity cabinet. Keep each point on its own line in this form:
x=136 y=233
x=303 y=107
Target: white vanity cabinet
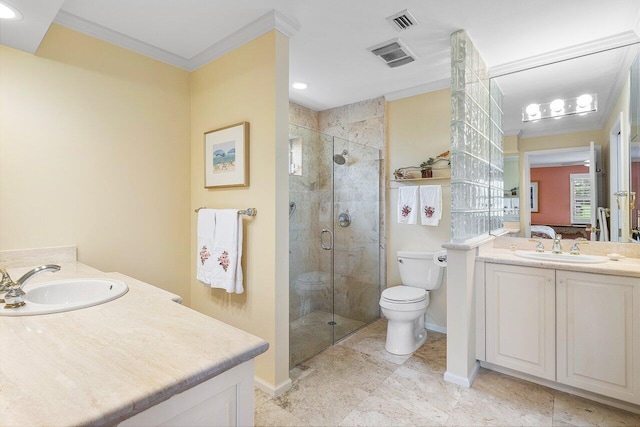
x=598 y=332
x=520 y=319
x=225 y=400
x=573 y=328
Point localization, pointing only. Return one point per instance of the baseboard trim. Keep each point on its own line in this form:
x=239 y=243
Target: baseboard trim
x=436 y=328
x=463 y=381
x=273 y=391
x=565 y=388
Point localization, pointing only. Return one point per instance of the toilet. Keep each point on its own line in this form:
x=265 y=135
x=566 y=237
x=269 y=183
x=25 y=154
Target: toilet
x=404 y=306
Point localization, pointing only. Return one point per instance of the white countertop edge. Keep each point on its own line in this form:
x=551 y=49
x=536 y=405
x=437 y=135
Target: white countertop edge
x=627 y=267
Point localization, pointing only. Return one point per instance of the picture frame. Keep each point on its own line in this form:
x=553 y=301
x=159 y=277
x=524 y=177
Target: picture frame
x=534 y=196
x=226 y=156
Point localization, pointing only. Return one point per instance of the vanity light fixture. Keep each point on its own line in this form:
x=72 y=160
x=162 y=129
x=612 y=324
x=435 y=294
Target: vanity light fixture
x=558 y=108
x=299 y=85
x=9 y=13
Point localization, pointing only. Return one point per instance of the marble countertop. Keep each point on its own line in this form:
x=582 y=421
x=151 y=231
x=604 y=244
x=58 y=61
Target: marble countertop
x=629 y=267
x=102 y=364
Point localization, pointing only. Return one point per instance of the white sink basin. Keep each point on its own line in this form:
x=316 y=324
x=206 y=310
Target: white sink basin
x=564 y=257
x=66 y=295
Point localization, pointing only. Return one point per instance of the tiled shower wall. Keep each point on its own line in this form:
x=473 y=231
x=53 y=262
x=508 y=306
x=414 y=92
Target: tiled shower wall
x=476 y=144
x=358 y=186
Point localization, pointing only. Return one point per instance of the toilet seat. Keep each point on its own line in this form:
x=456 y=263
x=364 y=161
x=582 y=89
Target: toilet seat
x=404 y=294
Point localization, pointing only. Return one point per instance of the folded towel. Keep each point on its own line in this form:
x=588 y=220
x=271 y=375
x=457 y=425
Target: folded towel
x=220 y=252
x=430 y=204
x=206 y=232
x=407 y=205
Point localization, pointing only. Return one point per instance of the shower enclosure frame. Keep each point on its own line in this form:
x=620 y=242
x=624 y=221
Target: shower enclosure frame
x=342 y=274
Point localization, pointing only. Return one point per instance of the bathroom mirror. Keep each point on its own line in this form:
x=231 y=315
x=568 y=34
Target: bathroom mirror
x=570 y=167
x=511 y=190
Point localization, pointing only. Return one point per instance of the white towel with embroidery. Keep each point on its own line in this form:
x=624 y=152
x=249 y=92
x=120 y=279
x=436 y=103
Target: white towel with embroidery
x=206 y=231
x=408 y=205
x=430 y=204
x=220 y=249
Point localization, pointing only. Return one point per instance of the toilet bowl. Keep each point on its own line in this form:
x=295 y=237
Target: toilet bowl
x=405 y=305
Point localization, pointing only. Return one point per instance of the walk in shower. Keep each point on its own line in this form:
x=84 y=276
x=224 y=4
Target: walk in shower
x=334 y=240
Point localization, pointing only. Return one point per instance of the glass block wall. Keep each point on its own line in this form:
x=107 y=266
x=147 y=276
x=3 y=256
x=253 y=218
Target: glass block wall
x=476 y=144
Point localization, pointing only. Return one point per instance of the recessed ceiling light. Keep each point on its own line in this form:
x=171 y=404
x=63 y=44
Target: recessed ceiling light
x=9 y=13
x=299 y=85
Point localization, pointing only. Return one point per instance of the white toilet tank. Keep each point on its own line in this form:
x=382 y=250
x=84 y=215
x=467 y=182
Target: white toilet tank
x=418 y=270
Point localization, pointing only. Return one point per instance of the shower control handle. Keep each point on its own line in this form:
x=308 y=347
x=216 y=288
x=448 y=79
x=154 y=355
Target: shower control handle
x=322 y=233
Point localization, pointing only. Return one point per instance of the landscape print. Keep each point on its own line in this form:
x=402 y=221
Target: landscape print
x=224 y=157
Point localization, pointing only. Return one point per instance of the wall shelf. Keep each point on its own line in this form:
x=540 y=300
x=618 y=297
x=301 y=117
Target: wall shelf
x=395 y=183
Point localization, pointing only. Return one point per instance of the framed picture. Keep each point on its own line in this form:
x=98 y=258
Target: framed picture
x=534 y=196
x=226 y=156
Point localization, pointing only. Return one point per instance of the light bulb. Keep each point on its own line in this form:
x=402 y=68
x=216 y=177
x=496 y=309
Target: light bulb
x=584 y=101
x=533 y=110
x=557 y=105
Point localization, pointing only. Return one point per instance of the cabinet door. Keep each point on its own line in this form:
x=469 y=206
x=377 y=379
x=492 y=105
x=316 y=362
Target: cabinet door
x=520 y=319
x=599 y=334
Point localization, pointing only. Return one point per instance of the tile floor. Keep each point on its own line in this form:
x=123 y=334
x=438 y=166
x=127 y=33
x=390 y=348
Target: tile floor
x=311 y=333
x=357 y=383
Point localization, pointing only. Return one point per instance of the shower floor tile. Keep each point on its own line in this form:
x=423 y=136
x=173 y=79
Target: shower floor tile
x=310 y=334
x=354 y=383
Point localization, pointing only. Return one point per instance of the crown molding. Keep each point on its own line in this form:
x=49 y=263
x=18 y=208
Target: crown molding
x=92 y=29
x=419 y=90
x=605 y=43
x=272 y=20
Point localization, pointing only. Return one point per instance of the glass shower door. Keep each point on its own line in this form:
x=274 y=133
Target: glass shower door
x=334 y=240
x=356 y=253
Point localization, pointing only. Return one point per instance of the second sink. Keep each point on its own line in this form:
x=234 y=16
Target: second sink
x=568 y=258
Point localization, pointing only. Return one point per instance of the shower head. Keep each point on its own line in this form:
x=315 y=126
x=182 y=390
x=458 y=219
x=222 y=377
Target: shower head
x=339 y=158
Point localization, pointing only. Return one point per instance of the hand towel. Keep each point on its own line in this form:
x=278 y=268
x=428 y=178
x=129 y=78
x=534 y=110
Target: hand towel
x=430 y=204
x=407 y=205
x=227 y=251
x=220 y=249
x=206 y=231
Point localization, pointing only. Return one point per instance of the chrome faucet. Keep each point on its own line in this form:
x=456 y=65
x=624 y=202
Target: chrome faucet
x=4 y=283
x=539 y=246
x=15 y=296
x=575 y=249
x=557 y=247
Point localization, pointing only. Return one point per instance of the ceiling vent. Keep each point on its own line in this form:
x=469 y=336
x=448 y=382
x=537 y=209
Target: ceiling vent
x=402 y=20
x=394 y=53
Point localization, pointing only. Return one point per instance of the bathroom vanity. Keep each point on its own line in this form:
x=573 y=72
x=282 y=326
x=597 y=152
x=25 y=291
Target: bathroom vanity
x=141 y=359
x=563 y=324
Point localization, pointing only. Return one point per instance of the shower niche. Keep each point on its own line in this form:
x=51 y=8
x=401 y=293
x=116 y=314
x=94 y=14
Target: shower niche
x=334 y=269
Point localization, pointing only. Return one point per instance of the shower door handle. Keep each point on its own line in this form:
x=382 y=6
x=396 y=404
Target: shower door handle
x=322 y=233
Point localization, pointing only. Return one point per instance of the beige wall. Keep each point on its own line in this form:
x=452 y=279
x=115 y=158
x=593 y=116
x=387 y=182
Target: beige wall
x=94 y=151
x=563 y=140
x=249 y=84
x=418 y=127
